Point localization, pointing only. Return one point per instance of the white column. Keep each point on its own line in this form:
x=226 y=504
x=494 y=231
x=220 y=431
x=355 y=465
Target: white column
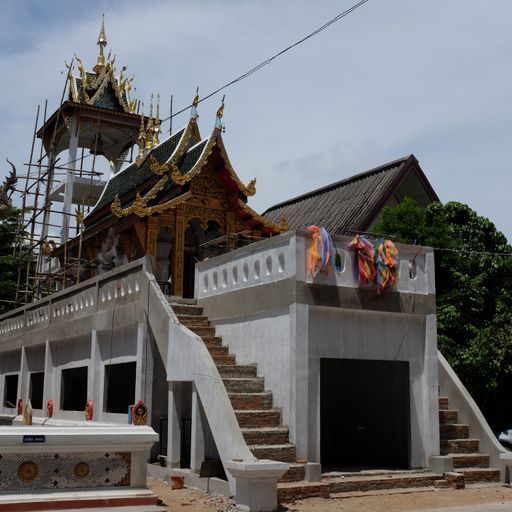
x=197 y=434
x=96 y=378
x=140 y=375
x=48 y=387
x=174 y=425
x=23 y=379
x=70 y=178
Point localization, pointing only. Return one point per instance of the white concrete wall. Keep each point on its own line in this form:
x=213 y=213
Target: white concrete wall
x=264 y=339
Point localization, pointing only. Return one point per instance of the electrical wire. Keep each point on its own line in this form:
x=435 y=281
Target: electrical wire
x=256 y=68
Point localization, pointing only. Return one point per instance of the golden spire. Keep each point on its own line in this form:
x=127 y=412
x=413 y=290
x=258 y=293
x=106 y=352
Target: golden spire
x=218 y=120
x=102 y=42
x=194 y=114
x=141 y=140
x=149 y=128
x=156 y=129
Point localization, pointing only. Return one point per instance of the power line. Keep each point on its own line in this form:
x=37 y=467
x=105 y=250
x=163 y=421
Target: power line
x=264 y=63
x=275 y=56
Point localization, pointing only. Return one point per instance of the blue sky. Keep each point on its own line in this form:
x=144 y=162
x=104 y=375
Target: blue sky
x=393 y=78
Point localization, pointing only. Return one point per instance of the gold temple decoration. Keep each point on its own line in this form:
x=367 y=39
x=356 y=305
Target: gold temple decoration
x=156 y=128
x=141 y=139
x=149 y=127
x=283 y=225
x=93 y=84
x=79 y=216
x=102 y=42
x=194 y=114
x=139 y=206
x=158 y=168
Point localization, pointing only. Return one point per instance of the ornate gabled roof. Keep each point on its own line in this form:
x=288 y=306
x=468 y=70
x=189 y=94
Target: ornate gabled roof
x=100 y=87
x=352 y=203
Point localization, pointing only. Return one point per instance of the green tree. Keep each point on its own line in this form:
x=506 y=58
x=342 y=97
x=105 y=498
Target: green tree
x=473 y=286
x=10 y=263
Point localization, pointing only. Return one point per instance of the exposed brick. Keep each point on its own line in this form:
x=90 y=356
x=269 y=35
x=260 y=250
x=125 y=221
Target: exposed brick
x=182 y=309
x=455 y=479
x=382 y=482
x=245 y=370
x=443 y=402
x=481 y=475
x=252 y=401
x=470 y=460
x=454 y=431
x=296 y=473
x=287 y=493
x=265 y=435
x=253 y=419
x=280 y=452
x=459 y=446
x=447 y=416
x=242 y=385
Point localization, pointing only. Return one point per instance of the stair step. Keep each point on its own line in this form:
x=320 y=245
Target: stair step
x=203 y=331
x=217 y=350
x=290 y=492
x=470 y=460
x=480 y=475
x=265 y=435
x=364 y=483
x=296 y=473
x=212 y=341
x=223 y=359
x=244 y=385
x=257 y=418
x=251 y=401
x=459 y=446
x=183 y=309
x=279 y=452
x=448 y=416
x=454 y=431
x=443 y=402
x=240 y=370
x=194 y=320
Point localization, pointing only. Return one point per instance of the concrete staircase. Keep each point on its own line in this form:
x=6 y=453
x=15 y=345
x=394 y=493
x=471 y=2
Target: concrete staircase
x=260 y=423
x=456 y=443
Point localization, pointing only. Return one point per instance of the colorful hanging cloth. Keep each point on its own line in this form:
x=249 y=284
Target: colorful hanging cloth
x=386 y=265
x=364 y=267
x=320 y=251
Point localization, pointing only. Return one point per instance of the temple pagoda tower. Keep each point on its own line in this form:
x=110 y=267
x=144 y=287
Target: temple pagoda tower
x=98 y=115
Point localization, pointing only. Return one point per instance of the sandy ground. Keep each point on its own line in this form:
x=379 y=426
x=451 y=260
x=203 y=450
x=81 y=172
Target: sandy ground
x=191 y=500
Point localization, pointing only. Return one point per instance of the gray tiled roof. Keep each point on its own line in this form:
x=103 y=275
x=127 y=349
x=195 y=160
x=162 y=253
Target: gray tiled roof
x=132 y=178
x=344 y=205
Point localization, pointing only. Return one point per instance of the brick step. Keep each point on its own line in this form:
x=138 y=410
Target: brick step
x=251 y=401
x=213 y=342
x=185 y=309
x=448 y=416
x=459 y=446
x=470 y=460
x=364 y=483
x=265 y=435
x=217 y=350
x=480 y=475
x=256 y=418
x=443 y=402
x=288 y=492
x=281 y=452
x=242 y=385
x=296 y=473
x=223 y=359
x=203 y=331
x=454 y=431
x=194 y=320
x=240 y=370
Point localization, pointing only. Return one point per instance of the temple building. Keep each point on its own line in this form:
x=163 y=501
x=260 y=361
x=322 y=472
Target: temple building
x=257 y=350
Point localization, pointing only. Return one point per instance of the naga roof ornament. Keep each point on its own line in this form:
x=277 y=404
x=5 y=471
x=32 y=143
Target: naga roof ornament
x=100 y=87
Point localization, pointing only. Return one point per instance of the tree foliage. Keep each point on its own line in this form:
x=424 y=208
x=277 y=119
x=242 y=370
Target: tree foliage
x=473 y=286
x=10 y=263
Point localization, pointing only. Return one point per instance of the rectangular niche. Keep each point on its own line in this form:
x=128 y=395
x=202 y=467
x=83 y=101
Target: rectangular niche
x=119 y=387
x=74 y=389
x=11 y=391
x=36 y=389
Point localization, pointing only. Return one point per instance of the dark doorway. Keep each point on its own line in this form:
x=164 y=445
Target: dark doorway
x=36 y=389
x=120 y=387
x=74 y=389
x=11 y=391
x=194 y=237
x=364 y=414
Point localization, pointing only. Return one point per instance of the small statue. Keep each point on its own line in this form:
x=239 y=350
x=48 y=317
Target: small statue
x=6 y=190
x=108 y=254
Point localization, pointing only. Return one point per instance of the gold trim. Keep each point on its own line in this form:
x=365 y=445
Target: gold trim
x=256 y=216
x=139 y=208
x=158 y=168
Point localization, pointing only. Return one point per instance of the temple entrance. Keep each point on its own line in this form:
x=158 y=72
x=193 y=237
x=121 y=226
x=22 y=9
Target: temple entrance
x=364 y=414
x=194 y=237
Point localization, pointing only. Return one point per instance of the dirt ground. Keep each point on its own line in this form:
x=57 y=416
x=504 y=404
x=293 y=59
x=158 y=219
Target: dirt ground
x=191 y=500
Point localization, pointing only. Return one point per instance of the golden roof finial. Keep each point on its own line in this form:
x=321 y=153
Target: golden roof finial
x=220 y=113
x=149 y=127
x=141 y=140
x=194 y=114
x=102 y=42
x=156 y=129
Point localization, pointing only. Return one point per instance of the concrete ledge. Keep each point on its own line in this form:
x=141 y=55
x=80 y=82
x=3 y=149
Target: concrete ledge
x=506 y=458
x=441 y=463
x=256 y=483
